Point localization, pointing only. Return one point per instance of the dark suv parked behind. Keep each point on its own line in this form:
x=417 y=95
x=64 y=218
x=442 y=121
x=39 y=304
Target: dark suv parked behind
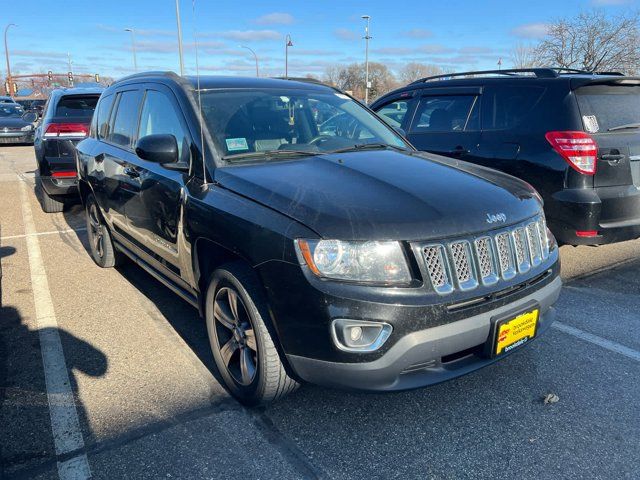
x=65 y=122
x=573 y=135
x=334 y=255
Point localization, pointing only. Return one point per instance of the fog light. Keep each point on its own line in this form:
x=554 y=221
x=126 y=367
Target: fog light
x=359 y=335
x=355 y=333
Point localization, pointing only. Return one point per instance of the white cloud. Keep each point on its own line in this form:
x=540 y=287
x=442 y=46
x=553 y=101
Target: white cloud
x=345 y=34
x=531 y=30
x=417 y=33
x=249 y=35
x=276 y=18
x=606 y=3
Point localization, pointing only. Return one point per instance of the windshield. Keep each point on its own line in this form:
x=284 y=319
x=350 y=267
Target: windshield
x=10 y=110
x=254 y=123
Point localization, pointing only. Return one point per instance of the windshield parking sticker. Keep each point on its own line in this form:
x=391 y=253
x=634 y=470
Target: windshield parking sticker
x=235 y=144
x=590 y=123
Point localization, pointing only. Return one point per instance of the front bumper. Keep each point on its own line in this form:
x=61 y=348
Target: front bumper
x=614 y=212
x=427 y=356
x=16 y=137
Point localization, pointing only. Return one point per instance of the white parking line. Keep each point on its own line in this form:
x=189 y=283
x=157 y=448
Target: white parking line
x=65 y=425
x=595 y=339
x=37 y=234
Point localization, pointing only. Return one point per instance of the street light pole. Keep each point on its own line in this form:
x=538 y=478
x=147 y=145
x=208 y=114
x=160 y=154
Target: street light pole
x=288 y=43
x=254 y=56
x=133 y=46
x=366 y=37
x=179 y=37
x=6 y=52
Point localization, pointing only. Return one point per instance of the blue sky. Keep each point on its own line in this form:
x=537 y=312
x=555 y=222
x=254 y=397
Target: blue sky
x=456 y=34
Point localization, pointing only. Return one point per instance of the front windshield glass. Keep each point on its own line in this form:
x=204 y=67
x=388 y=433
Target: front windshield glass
x=9 y=110
x=253 y=123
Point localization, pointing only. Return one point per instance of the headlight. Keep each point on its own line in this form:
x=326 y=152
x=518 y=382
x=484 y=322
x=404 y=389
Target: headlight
x=366 y=262
x=26 y=128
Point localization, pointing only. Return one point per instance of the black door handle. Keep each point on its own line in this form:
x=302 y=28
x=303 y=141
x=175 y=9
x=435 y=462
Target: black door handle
x=132 y=172
x=612 y=157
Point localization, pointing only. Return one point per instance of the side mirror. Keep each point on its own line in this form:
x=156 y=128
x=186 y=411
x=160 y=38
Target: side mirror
x=161 y=148
x=30 y=117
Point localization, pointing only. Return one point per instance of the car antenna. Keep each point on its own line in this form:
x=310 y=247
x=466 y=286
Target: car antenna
x=195 y=36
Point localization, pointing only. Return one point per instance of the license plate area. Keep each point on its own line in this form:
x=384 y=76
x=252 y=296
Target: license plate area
x=512 y=330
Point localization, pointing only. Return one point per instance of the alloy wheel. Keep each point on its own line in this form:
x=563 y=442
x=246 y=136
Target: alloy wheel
x=96 y=231
x=236 y=339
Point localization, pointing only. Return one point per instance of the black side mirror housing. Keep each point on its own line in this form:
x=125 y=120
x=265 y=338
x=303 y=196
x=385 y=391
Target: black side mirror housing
x=160 y=148
x=30 y=117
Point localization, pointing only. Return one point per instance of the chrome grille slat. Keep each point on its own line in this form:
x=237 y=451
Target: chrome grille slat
x=464 y=264
x=436 y=263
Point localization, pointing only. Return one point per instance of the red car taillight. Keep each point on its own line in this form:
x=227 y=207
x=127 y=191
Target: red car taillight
x=67 y=130
x=579 y=149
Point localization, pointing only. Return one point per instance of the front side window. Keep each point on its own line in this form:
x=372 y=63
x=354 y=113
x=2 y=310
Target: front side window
x=123 y=126
x=253 y=121
x=393 y=113
x=160 y=117
x=446 y=113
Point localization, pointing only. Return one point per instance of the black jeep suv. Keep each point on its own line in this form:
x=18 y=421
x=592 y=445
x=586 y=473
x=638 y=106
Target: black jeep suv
x=337 y=256
x=573 y=135
x=65 y=122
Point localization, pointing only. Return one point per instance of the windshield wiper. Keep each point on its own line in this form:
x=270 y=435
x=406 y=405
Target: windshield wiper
x=370 y=146
x=625 y=126
x=268 y=154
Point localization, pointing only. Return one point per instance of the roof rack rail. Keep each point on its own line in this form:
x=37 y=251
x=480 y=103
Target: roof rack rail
x=538 y=72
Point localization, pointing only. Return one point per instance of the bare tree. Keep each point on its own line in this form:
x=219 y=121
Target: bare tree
x=523 y=56
x=352 y=78
x=593 y=41
x=414 y=71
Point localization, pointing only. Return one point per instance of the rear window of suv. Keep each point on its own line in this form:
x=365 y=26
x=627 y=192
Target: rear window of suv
x=76 y=106
x=608 y=106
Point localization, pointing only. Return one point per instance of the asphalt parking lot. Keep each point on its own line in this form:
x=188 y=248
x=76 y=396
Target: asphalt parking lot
x=148 y=404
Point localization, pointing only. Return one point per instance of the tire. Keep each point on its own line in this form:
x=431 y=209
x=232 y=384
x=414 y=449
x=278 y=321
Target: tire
x=100 y=244
x=231 y=341
x=48 y=204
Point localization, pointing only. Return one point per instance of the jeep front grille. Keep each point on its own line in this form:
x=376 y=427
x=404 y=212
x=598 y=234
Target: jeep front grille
x=464 y=264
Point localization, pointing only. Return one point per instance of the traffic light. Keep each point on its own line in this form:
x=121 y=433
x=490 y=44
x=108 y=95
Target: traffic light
x=70 y=76
x=15 y=88
x=7 y=88
x=97 y=78
x=50 y=76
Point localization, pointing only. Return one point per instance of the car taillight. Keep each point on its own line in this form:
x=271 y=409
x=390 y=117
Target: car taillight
x=579 y=149
x=67 y=130
x=64 y=174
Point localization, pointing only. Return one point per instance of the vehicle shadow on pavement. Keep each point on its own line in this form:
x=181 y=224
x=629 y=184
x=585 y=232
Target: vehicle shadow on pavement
x=25 y=433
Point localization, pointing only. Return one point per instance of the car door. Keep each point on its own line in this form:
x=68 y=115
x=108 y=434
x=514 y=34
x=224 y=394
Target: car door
x=154 y=212
x=447 y=122
x=115 y=176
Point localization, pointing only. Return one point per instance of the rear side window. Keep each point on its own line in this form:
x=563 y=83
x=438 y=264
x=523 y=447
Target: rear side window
x=507 y=106
x=446 y=113
x=125 y=123
x=608 y=106
x=102 y=116
x=76 y=105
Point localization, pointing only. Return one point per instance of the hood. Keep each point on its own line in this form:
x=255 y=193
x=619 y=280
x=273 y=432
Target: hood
x=377 y=195
x=13 y=122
